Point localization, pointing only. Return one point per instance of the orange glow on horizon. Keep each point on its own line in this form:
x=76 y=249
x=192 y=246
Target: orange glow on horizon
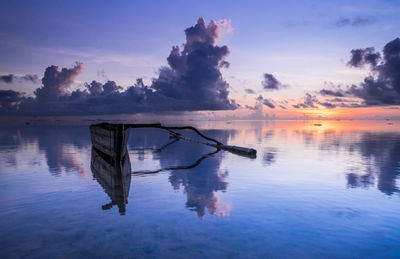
x=316 y=113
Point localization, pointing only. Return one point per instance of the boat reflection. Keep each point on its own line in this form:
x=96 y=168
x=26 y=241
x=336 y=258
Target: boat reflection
x=115 y=178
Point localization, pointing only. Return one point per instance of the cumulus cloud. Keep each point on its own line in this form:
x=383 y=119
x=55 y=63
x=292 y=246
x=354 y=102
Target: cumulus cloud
x=11 y=78
x=56 y=82
x=194 y=75
x=271 y=83
x=192 y=81
x=382 y=86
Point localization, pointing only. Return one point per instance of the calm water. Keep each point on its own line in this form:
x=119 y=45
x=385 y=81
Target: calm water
x=316 y=189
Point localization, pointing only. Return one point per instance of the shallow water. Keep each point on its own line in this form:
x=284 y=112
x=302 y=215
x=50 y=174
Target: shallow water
x=316 y=189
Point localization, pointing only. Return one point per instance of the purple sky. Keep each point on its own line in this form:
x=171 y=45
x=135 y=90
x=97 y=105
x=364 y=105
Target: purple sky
x=304 y=45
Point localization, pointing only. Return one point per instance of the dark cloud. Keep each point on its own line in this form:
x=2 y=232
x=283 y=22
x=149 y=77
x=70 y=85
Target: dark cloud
x=327 y=105
x=360 y=57
x=250 y=91
x=94 y=88
x=7 y=78
x=337 y=93
x=358 y=21
x=192 y=81
x=260 y=101
x=10 y=78
x=271 y=83
x=311 y=101
x=9 y=100
x=382 y=86
x=268 y=103
x=343 y=100
x=251 y=107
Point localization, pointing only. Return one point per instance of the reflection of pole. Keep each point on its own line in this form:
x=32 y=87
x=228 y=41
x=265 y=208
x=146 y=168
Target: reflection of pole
x=178 y=167
x=122 y=146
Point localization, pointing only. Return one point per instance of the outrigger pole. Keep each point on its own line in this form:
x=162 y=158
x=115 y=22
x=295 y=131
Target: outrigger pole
x=234 y=149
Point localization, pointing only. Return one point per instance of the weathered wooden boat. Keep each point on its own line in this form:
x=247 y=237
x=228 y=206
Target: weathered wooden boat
x=112 y=139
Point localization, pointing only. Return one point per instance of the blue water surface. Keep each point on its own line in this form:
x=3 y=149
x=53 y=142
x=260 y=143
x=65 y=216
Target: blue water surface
x=315 y=189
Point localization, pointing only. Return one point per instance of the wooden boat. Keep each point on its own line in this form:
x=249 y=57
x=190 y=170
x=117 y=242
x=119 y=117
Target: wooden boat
x=111 y=139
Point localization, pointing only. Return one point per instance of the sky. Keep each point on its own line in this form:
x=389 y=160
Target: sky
x=258 y=59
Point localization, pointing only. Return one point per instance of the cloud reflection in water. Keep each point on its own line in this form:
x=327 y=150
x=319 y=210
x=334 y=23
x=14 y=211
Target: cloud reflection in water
x=367 y=157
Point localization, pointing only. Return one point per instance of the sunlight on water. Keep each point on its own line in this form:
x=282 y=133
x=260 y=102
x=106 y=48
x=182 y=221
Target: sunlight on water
x=316 y=188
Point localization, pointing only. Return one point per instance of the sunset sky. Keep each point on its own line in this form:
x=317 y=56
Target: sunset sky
x=287 y=59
